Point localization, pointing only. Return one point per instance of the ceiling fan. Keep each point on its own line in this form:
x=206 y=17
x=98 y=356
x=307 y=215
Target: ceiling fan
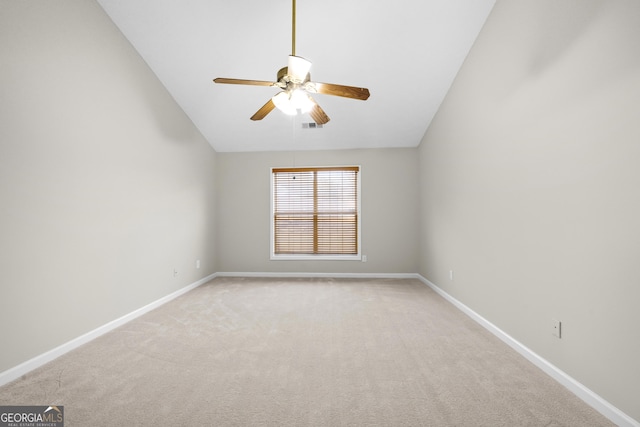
x=295 y=82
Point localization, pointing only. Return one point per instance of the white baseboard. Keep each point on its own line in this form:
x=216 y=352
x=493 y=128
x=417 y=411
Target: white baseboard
x=17 y=371
x=312 y=275
x=614 y=414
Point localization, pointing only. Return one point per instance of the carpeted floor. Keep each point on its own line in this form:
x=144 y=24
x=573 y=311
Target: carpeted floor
x=301 y=352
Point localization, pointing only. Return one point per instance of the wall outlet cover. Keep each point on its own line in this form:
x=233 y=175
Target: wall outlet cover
x=557 y=328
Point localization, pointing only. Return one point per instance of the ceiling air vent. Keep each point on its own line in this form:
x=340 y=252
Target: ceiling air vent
x=311 y=125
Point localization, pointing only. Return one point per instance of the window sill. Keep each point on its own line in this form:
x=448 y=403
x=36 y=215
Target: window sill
x=316 y=257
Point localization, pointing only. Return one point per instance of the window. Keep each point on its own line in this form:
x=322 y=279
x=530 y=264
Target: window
x=315 y=213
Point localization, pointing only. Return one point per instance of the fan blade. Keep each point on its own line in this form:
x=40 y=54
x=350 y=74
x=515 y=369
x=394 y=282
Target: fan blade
x=339 y=90
x=264 y=110
x=243 y=82
x=317 y=113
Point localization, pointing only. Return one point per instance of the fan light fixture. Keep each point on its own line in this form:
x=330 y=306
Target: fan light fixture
x=298 y=69
x=294 y=98
x=290 y=102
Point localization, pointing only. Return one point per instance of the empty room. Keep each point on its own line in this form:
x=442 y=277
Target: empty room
x=296 y=213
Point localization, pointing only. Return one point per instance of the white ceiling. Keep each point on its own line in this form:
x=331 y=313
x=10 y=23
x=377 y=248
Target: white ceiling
x=406 y=52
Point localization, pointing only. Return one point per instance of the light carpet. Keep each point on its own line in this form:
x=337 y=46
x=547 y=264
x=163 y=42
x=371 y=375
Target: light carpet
x=301 y=352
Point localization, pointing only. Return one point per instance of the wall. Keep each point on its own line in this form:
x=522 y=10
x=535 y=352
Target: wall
x=389 y=180
x=529 y=184
x=105 y=185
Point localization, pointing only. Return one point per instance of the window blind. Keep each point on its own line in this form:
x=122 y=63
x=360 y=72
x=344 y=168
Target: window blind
x=316 y=211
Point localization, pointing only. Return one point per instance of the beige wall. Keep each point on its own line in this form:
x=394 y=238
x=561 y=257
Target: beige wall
x=530 y=186
x=105 y=185
x=389 y=180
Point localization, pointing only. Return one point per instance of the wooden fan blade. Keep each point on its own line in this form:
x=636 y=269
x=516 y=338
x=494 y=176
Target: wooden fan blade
x=243 y=82
x=340 y=90
x=264 y=110
x=317 y=114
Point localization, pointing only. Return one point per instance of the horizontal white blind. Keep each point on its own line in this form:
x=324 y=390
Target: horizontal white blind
x=316 y=210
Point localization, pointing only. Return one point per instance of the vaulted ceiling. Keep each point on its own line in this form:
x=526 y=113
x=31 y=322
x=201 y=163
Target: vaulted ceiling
x=407 y=53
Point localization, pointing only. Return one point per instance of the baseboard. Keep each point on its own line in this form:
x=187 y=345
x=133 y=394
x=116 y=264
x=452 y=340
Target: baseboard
x=17 y=371
x=614 y=414
x=312 y=275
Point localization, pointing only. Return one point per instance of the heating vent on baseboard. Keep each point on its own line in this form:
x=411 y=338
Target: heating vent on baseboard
x=311 y=125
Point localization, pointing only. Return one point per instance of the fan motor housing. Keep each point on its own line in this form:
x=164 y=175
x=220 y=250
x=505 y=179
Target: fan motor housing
x=284 y=71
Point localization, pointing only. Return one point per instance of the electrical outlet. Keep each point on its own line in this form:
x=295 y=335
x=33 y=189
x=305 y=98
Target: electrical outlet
x=364 y=258
x=175 y=272
x=450 y=274
x=197 y=263
x=557 y=328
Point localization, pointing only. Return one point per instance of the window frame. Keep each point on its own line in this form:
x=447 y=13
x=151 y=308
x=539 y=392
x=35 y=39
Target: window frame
x=316 y=257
